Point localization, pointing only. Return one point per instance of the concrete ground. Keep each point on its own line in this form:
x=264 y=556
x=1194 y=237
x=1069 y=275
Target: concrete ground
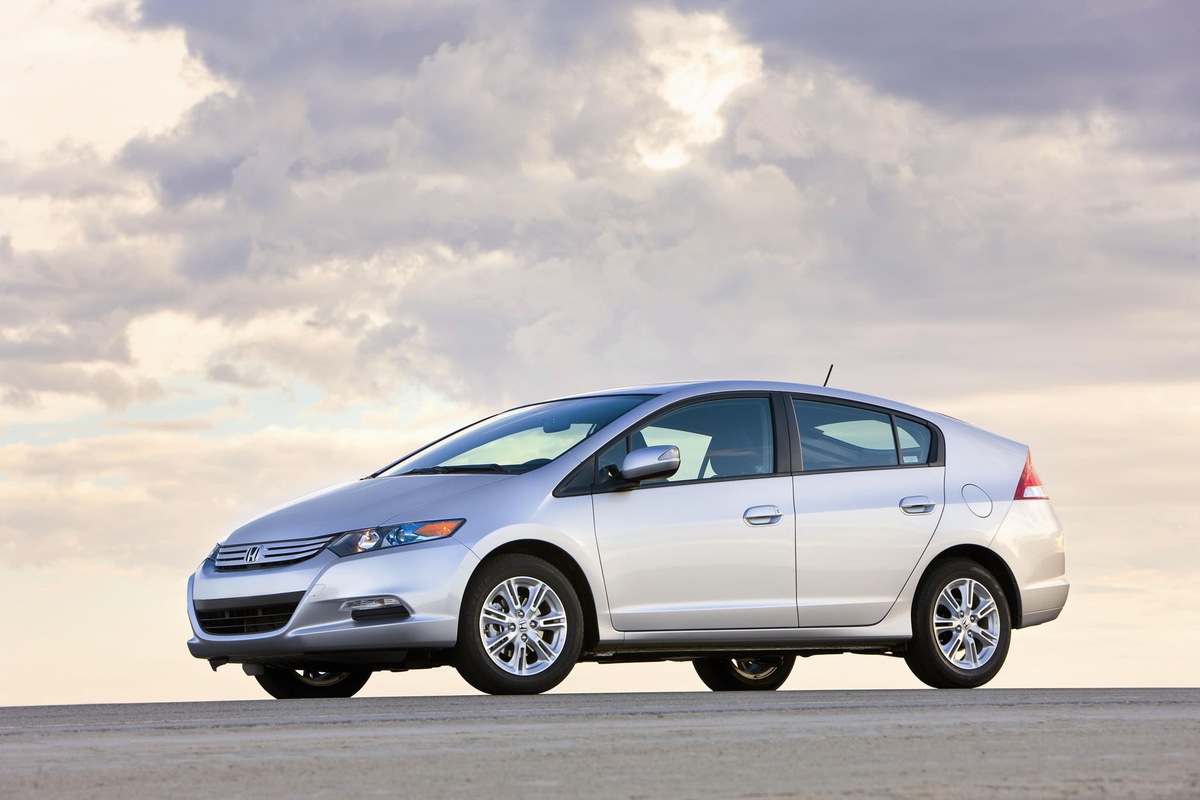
x=913 y=744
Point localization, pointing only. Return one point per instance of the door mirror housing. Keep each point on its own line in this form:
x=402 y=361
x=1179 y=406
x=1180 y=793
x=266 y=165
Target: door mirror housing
x=645 y=463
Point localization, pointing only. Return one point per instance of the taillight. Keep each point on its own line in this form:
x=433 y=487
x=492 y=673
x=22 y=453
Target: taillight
x=1030 y=486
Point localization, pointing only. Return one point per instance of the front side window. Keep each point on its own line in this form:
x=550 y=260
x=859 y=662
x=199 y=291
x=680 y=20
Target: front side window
x=518 y=440
x=835 y=436
x=726 y=438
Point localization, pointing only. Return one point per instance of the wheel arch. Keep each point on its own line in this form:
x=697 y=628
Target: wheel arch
x=993 y=563
x=565 y=563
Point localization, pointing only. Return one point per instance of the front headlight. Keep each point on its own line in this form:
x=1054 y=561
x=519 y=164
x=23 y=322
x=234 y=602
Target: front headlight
x=368 y=540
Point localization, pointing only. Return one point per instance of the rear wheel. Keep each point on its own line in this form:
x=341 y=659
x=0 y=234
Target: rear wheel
x=288 y=684
x=521 y=627
x=755 y=673
x=961 y=627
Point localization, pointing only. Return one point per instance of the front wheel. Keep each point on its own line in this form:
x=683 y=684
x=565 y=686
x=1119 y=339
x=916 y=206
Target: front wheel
x=961 y=627
x=756 y=673
x=521 y=627
x=287 y=684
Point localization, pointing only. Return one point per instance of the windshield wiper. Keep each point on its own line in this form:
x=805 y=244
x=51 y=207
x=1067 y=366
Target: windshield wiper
x=460 y=469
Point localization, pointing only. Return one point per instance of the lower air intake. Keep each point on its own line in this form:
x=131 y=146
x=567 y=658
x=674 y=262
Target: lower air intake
x=269 y=614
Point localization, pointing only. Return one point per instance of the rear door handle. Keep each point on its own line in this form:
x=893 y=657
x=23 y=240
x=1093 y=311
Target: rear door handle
x=762 y=515
x=917 y=504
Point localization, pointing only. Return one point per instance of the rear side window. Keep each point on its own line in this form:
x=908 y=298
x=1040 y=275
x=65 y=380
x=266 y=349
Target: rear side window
x=835 y=436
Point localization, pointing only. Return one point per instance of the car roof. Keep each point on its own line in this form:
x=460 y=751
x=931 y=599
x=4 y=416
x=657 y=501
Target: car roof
x=683 y=389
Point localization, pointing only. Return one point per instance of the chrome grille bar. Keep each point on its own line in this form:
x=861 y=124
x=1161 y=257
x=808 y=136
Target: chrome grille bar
x=253 y=555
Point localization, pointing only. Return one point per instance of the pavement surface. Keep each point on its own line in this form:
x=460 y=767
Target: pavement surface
x=915 y=744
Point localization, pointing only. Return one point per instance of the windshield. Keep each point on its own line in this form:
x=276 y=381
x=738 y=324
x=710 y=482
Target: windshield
x=518 y=440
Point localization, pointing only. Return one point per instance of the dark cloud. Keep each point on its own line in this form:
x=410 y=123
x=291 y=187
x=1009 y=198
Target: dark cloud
x=20 y=381
x=216 y=257
x=198 y=158
x=225 y=372
x=66 y=173
x=281 y=42
x=1014 y=58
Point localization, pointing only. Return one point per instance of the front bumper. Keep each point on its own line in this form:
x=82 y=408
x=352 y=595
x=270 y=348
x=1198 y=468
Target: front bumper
x=428 y=579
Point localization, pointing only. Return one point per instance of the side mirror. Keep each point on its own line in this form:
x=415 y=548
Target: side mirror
x=650 y=462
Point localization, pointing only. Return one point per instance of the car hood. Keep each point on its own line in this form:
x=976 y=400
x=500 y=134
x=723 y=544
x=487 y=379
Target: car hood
x=361 y=504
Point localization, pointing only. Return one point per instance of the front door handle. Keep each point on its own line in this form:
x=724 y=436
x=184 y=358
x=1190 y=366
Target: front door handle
x=762 y=515
x=917 y=504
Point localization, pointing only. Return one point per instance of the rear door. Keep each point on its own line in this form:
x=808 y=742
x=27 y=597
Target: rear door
x=868 y=495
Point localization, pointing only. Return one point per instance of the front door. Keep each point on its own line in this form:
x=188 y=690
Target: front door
x=713 y=546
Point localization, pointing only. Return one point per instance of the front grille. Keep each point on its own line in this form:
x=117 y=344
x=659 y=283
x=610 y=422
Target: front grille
x=255 y=555
x=269 y=614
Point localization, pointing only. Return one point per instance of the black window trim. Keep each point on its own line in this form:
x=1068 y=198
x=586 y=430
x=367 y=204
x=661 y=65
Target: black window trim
x=784 y=449
x=937 y=442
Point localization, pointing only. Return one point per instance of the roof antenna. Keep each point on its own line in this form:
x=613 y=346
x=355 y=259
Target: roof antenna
x=827 y=374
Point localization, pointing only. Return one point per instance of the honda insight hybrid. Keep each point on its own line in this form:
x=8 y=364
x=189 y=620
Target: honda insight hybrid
x=732 y=524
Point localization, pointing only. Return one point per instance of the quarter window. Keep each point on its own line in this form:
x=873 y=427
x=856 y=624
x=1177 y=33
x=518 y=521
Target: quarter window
x=916 y=441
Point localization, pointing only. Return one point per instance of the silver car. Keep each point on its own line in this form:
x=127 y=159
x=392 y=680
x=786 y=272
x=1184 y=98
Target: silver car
x=732 y=524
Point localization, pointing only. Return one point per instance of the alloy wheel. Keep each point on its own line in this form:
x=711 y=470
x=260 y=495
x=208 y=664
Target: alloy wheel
x=756 y=669
x=966 y=623
x=523 y=626
x=319 y=678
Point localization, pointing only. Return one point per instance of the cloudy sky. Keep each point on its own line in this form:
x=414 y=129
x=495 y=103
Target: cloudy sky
x=250 y=249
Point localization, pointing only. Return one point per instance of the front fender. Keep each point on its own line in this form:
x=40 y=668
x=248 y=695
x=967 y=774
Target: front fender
x=564 y=525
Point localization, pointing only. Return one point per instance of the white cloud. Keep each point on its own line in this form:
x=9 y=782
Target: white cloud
x=163 y=497
x=700 y=62
x=74 y=77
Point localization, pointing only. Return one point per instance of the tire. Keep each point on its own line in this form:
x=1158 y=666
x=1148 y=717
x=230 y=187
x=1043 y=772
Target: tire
x=288 y=684
x=755 y=673
x=961 y=627
x=521 y=627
